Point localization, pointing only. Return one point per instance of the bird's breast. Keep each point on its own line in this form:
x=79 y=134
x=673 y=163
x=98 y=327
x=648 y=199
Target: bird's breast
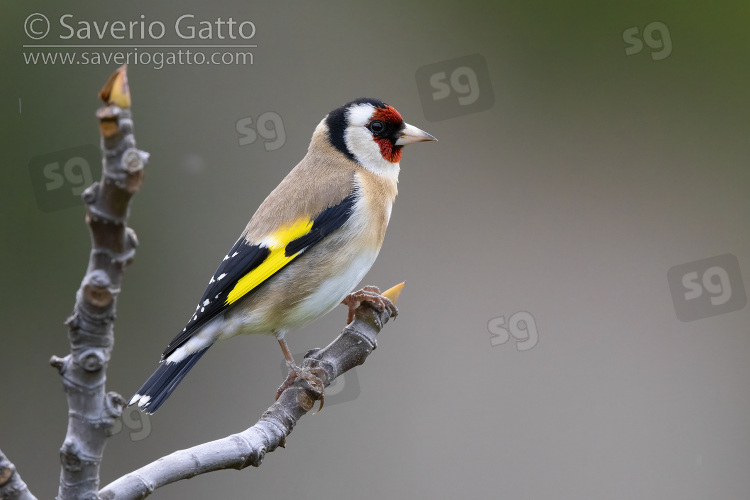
x=319 y=279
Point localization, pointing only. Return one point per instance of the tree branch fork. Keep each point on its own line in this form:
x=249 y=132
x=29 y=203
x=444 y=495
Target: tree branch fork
x=93 y=412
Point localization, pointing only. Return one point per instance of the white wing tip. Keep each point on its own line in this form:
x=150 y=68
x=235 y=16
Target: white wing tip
x=142 y=401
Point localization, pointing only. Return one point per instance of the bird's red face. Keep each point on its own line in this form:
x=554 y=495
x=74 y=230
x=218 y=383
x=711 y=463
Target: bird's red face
x=386 y=135
x=372 y=133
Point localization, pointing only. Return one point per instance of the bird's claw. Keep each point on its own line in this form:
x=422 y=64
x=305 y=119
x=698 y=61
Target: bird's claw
x=372 y=295
x=313 y=377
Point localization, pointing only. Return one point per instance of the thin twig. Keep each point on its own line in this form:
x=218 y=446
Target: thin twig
x=91 y=410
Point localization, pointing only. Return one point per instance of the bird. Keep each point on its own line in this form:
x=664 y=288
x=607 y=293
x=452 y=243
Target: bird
x=305 y=249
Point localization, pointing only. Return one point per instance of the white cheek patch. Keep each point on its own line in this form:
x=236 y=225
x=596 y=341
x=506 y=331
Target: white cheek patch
x=360 y=143
x=367 y=152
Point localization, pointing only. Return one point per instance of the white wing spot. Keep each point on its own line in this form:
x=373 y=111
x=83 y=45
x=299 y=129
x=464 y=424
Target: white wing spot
x=203 y=309
x=195 y=317
x=206 y=302
x=235 y=254
x=221 y=276
x=212 y=281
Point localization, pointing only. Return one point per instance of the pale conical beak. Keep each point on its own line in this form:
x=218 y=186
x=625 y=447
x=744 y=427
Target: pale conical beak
x=412 y=134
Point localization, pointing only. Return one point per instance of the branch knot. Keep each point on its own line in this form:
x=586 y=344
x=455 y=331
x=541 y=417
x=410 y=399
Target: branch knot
x=97 y=289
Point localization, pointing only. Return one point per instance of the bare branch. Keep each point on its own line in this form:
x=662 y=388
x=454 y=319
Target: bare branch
x=237 y=451
x=92 y=411
x=12 y=486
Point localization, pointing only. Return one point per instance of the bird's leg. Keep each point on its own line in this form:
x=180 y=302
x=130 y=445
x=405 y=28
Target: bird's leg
x=369 y=294
x=295 y=372
x=291 y=365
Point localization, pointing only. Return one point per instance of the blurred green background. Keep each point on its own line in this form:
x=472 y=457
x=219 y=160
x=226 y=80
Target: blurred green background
x=589 y=176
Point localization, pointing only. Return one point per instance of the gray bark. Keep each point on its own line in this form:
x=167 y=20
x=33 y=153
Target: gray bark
x=93 y=411
x=248 y=447
x=12 y=486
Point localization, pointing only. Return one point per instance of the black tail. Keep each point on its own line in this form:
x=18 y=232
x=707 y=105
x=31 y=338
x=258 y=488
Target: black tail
x=163 y=382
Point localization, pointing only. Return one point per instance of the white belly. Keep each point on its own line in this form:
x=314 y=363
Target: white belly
x=331 y=292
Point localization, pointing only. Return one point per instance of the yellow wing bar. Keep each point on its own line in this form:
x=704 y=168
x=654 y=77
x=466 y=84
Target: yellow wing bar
x=276 y=259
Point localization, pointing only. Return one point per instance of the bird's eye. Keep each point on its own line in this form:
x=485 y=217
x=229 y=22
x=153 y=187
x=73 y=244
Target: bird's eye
x=376 y=127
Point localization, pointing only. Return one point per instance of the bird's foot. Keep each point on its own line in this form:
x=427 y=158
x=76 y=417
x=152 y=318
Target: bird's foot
x=313 y=377
x=372 y=295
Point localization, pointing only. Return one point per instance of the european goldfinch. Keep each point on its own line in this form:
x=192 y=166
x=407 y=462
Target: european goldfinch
x=308 y=245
